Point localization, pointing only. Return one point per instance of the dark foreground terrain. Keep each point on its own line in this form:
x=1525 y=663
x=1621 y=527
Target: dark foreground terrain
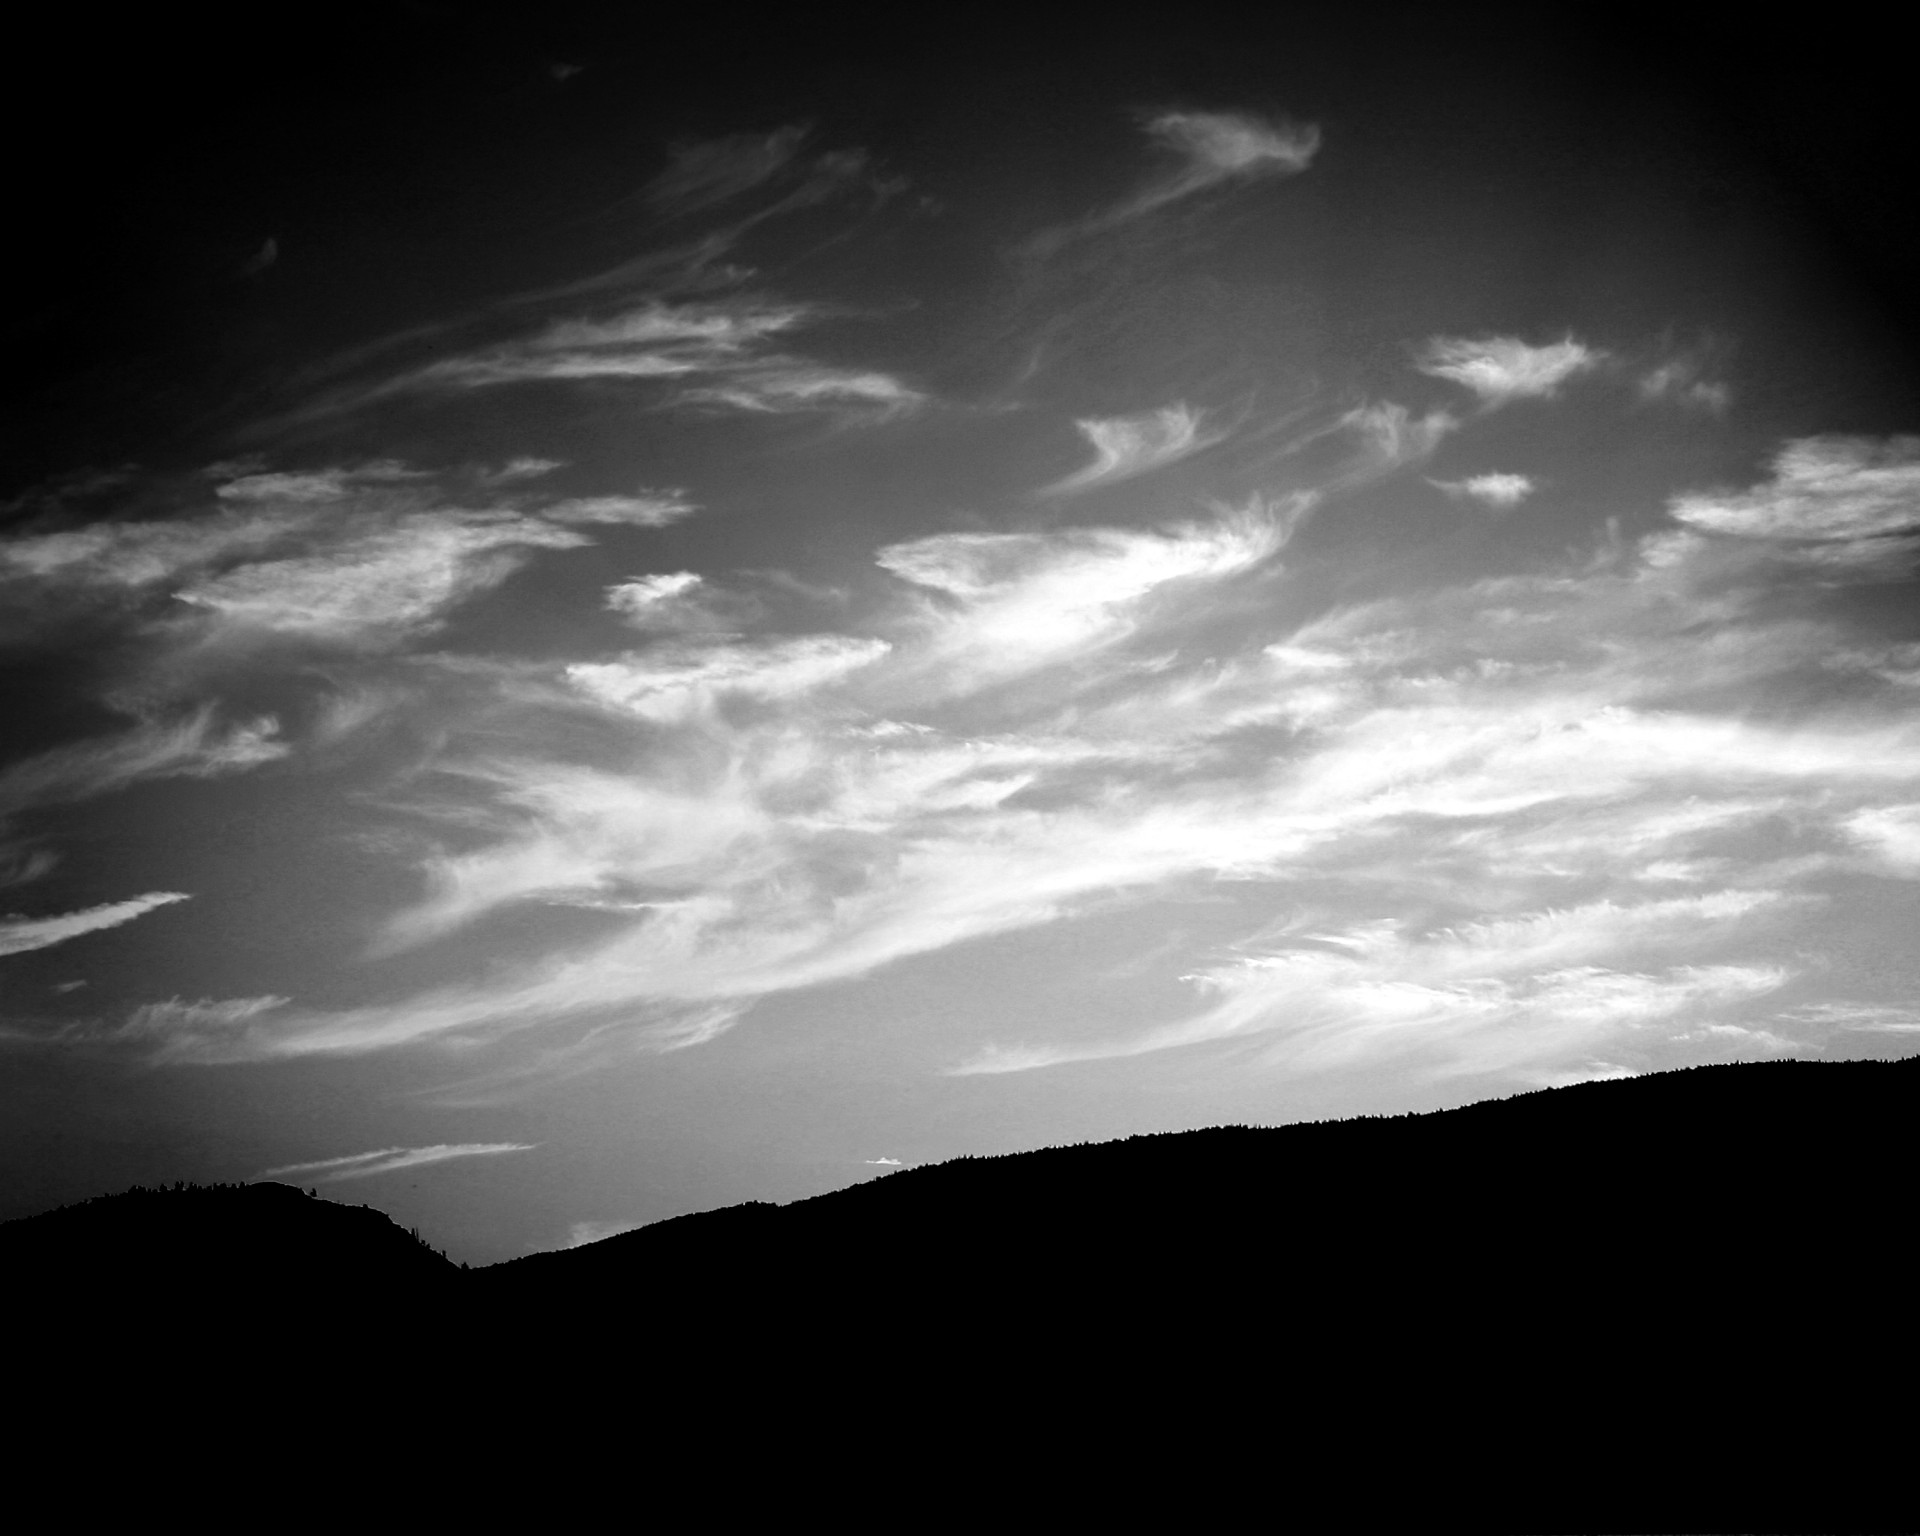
x=1683 y=1301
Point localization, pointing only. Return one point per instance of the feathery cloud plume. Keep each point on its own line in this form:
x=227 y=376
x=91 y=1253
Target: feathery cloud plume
x=194 y=746
x=1125 y=446
x=1213 y=148
x=19 y=934
x=364 y=1165
x=1840 y=489
x=702 y=173
x=1499 y=368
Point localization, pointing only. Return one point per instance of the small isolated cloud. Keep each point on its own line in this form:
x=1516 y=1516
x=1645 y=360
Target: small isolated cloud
x=1841 y=489
x=19 y=934
x=1218 y=145
x=364 y=1165
x=1679 y=382
x=654 y=509
x=1125 y=446
x=1499 y=368
x=521 y=469
x=1500 y=491
x=669 y=600
x=883 y=1162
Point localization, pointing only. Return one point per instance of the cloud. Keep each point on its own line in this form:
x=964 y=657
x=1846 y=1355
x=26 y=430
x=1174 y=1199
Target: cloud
x=1125 y=446
x=1512 y=825
x=358 y=555
x=1212 y=149
x=1678 y=382
x=702 y=173
x=380 y=583
x=783 y=385
x=672 y=600
x=193 y=746
x=655 y=340
x=1011 y=603
x=679 y=679
x=1842 y=489
x=1487 y=997
x=883 y=1162
x=1499 y=491
x=19 y=934
x=176 y=1019
x=320 y=485
x=1877 y=1018
x=364 y=1165
x=651 y=510
x=1892 y=833
x=1391 y=438
x=1500 y=369
x=1219 y=145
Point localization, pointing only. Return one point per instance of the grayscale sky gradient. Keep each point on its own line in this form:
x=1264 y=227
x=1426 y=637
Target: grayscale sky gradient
x=601 y=620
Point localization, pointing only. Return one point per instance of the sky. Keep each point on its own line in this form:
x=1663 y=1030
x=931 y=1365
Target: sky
x=599 y=620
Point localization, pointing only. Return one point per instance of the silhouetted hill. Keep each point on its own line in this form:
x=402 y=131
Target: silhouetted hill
x=1677 y=1301
x=258 y=1240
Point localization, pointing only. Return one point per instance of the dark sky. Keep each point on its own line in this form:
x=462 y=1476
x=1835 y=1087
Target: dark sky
x=607 y=611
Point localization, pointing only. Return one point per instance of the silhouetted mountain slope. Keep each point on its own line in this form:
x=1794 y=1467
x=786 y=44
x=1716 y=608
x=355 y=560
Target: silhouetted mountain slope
x=252 y=1241
x=1678 y=1301
x=1759 y=1171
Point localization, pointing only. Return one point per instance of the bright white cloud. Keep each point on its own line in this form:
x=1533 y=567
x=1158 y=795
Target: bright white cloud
x=1016 y=602
x=20 y=934
x=1823 y=488
x=1500 y=368
x=1500 y=491
x=1892 y=833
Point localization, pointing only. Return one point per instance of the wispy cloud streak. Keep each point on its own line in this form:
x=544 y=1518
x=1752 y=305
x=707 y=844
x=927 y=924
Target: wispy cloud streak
x=1126 y=446
x=21 y=934
x=365 y=1165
